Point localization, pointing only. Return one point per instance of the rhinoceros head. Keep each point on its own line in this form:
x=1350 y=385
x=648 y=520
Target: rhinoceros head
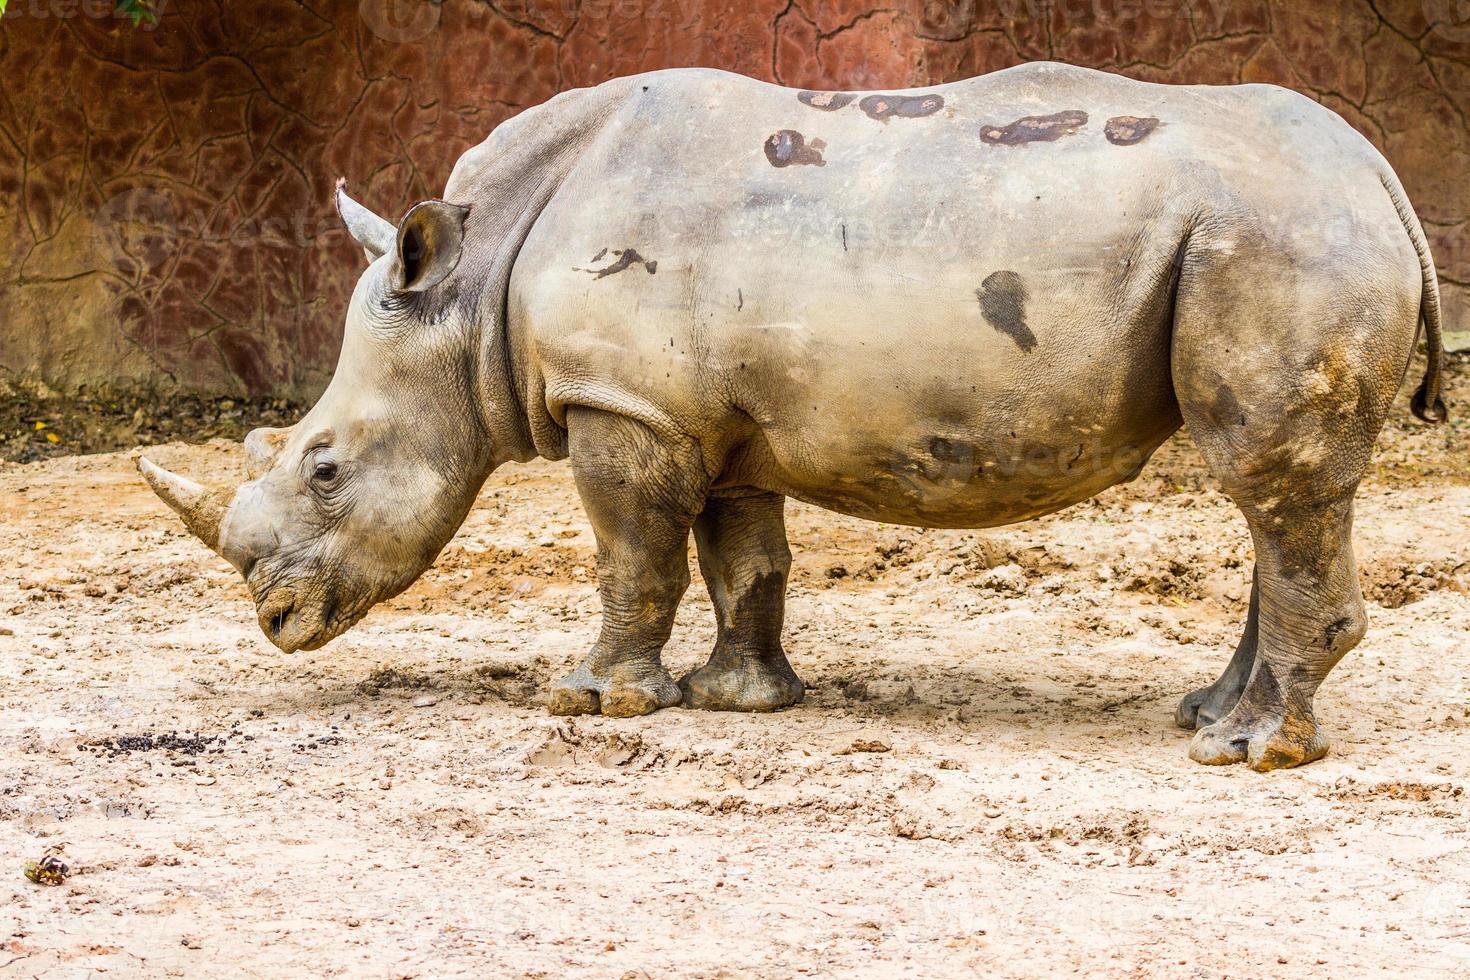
x=347 y=507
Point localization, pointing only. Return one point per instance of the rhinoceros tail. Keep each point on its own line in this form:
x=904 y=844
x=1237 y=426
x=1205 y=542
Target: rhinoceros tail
x=1426 y=403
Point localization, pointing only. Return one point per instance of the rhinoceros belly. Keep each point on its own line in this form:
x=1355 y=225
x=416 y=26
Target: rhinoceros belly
x=973 y=477
x=940 y=421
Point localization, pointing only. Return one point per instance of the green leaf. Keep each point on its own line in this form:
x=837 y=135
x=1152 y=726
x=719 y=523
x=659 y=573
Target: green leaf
x=137 y=10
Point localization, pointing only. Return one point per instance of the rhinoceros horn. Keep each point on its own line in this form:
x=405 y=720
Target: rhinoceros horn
x=376 y=235
x=202 y=509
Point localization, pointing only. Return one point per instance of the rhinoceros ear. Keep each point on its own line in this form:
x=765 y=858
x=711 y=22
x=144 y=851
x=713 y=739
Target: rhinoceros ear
x=429 y=241
x=374 y=234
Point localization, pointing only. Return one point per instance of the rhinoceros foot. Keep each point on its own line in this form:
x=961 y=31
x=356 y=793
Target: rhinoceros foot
x=1262 y=741
x=617 y=695
x=742 y=684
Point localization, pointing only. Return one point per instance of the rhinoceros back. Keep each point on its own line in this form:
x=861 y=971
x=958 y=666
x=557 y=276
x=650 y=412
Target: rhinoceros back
x=948 y=305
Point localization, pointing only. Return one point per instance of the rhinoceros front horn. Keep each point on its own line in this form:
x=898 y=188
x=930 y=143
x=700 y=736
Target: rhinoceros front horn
x=202 y=509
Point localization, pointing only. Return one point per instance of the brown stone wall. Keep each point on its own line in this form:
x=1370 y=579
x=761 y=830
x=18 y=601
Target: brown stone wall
x=165 y=191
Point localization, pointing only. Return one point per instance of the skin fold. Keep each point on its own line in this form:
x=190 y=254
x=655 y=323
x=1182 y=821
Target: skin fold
x=962 y=306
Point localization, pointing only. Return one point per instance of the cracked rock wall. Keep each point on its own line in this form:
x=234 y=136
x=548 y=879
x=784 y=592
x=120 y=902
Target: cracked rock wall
x=165 y=190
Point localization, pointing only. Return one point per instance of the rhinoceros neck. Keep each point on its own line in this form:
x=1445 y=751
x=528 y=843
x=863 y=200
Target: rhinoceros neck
x=498 y=398
x=507 y=181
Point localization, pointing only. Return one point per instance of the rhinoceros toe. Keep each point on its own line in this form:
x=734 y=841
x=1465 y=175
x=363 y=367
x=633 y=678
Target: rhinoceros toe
x=745 y=684
x=1261 y=743
x=583 y=693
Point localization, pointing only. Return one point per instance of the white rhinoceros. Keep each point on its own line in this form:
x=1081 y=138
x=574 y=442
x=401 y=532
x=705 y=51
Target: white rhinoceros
x=961 y=306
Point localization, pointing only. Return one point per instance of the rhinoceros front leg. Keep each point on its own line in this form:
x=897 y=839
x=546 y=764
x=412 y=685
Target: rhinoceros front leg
x=745 y=562
x=641 y=494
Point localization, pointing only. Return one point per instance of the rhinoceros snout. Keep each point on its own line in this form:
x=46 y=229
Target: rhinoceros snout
x=291 y=622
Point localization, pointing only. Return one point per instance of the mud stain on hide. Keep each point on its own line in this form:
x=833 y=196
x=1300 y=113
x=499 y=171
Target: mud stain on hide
x=626 y=258
x=954 y=460
x=1003 y=299
x=826 y=101
x=1035 y=129
x=1127 y=130
x=886 y=107
x=1226 y=410
x=760 y=603
x=950 y=451
x=787 y=147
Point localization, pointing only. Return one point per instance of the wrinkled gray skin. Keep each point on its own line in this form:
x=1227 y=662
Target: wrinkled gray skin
x=955 y=307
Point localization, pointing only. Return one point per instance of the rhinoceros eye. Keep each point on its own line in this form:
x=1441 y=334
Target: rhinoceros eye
x=324 y=472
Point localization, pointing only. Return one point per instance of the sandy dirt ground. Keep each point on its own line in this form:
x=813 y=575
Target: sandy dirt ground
x=985 y=775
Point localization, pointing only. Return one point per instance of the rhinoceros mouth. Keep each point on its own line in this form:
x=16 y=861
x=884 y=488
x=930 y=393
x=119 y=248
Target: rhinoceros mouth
x=292 y=621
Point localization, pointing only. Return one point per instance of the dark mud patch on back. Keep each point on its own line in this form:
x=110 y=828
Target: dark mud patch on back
x=787 y=147
x=1035 y=129
x=626 y=258
x=1127 y=130
x=1003 y=299
x=826 y=101
x=886 y=107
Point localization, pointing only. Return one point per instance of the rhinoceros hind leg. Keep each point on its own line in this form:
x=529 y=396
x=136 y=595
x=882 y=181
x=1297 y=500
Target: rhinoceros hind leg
x=1310 y=610
x=1204 y=707
x=641 y=493
x=745 y=562
x=1310 y=615
x=1284 y=387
